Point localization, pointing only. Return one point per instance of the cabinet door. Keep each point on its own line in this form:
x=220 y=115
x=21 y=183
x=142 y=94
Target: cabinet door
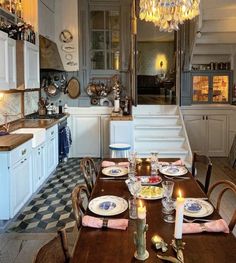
x=21 y=184
x=85 y=136
x=201 y=88
x=31 y=53
x=105 y=132
x=39 y=166
x=52 y=156
x=50 y=4
x=217 y=135
x=196 y=130
x=12 y=63
x=4 y=76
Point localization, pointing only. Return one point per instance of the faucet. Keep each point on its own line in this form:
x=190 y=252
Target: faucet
x=6 y=125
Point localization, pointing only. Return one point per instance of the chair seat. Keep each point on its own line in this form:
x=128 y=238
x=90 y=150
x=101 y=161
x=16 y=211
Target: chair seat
x=119 y=150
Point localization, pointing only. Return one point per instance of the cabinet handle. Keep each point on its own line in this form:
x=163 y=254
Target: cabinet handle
x=22 y=161
x=23 y=152
x=207 y=118
x=203 y=117
x=52 y=139
x=52 y=132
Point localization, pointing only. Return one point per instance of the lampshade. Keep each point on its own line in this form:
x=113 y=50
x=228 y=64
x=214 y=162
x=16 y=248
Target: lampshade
x=168 y=14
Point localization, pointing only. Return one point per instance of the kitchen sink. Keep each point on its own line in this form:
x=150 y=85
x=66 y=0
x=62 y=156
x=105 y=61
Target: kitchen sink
x=39 y=135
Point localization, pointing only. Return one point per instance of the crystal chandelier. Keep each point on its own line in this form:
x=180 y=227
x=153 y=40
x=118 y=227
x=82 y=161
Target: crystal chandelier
x=168 y=14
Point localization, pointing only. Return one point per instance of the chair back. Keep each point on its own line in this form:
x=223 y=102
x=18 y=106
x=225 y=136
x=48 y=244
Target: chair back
x=225 y=186
x=89 y=171
x=55 y=251
x=206 y=161
x=80 y=198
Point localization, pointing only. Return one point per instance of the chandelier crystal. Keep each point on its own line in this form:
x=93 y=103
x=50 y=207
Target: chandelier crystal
x=168 y=14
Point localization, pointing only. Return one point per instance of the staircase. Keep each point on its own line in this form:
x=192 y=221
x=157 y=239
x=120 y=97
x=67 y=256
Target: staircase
x=160 y=128
x=216 y=38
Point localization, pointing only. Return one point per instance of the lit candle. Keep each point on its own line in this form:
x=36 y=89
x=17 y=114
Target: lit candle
x=179 y=217
x=141 y=211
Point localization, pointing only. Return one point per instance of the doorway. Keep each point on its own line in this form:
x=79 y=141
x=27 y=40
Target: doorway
x=156 y=74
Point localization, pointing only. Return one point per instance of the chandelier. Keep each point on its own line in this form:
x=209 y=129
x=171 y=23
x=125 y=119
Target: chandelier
x=168 y=14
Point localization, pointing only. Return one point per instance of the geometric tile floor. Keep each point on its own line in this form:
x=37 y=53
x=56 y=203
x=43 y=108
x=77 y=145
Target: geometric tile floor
x=51 y=207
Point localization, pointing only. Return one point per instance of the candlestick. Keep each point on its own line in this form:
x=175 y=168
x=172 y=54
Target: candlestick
x=140 y=239
x=179 y=217
x=141 y=211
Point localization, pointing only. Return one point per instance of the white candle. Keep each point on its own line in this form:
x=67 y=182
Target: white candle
x=141 y=211
x=117 y=105
x=179 y=217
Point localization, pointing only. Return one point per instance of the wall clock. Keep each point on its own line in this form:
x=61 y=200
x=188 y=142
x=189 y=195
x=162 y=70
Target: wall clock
x=66 y=36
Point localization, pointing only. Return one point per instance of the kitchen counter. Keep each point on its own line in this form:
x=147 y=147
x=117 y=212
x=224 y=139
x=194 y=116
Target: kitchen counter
x=11 y=141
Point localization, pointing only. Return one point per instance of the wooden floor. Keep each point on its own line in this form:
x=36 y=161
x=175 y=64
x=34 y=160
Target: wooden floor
x=21 y=248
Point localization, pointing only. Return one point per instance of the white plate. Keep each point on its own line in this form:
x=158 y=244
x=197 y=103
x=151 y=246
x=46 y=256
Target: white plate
x=204 y=208
x=115 y=171
x=108 y=205
x=150 y=180
x=173 y=170
x=150 y=193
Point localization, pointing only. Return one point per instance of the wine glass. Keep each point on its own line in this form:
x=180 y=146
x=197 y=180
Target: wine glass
x=135 y=186
x=169 y=206
x=154 y=163
x=132 y=161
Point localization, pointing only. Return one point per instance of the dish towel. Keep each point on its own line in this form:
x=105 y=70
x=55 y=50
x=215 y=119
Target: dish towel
x=108 y=164
x=213 y=226
x=91 y=221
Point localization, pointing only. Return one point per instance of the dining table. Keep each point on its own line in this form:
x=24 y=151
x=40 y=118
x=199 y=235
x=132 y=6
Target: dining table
x=107 y=245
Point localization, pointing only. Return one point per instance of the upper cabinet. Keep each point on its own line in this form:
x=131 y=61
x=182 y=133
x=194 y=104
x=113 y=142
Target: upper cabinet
x=4 y=76
x=66 y=33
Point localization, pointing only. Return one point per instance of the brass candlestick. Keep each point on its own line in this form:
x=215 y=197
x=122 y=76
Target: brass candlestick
x=140 y=239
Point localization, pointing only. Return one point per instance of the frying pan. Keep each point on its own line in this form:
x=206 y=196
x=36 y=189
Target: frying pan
x=52 y=90
x=73 y=88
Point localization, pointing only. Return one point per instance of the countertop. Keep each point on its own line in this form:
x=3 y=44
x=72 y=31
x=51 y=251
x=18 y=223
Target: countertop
x=11 y=141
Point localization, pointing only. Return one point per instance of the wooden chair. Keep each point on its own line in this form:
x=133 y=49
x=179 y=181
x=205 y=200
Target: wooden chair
x=205 y=160
x=80 y=198
x=225 y=186
x=55 y=251
x=89 y=171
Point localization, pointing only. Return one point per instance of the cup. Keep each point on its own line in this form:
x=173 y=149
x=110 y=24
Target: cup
x=133 y=208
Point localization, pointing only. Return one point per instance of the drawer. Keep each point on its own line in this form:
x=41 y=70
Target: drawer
x=20 y=152
x=51 y=132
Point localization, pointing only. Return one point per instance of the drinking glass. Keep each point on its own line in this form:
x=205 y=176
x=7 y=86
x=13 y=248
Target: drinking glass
x=135 y=186
x=169 y=206
x=168 y=187
x=154 y=163
x=132 y=162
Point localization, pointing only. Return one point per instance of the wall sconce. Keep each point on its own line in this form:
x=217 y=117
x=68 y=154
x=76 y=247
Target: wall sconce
x=161 y=64
x=1 y=96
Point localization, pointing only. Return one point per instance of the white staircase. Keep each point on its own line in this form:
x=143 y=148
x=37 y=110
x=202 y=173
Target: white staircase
x=160 y=128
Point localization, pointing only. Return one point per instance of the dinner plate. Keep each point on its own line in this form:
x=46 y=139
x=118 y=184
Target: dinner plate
x=115 y=171
x=172 y=170
x=195 y=207
x=150 y=180
x=108 y=205
x=150 y=192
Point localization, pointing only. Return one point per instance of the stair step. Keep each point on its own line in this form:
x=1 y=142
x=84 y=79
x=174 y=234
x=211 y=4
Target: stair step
x=175 y=127
x=166 y=139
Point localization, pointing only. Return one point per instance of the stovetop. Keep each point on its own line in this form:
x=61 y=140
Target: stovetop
x=47 y=116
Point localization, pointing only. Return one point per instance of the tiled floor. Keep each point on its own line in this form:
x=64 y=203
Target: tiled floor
x=51 y=207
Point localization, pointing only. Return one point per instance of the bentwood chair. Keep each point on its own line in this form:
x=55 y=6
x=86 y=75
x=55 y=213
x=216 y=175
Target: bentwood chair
x=89 y=171
x=55 y=251
x=206 y=161
x=224 y=186
x=80 y=197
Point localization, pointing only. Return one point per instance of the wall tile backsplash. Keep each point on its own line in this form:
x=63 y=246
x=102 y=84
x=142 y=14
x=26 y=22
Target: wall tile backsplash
x=31 y=102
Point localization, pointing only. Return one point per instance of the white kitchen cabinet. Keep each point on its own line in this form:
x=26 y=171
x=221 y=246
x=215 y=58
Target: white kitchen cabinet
x=46 y=20
x=52 y=149
x=39 y=166
x=105 y=136
x=121 y=132
x=85 y=136
x=16 y=179
x=21 y=184
x=4 y=75
x=49 y=3
x=207 y=134
x=12 y=63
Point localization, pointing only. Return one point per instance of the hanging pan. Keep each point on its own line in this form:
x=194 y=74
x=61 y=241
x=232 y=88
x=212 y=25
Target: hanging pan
x=73 y=88
x=52 y=90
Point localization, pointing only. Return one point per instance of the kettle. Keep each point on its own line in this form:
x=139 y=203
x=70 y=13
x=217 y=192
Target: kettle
x=51 y=109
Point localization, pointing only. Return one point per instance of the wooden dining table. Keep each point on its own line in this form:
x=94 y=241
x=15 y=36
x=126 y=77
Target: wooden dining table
x=117 y=246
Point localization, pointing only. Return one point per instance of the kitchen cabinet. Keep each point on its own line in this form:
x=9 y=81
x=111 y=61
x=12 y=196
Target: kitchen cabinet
x=4 y=76
x=105 y=136
x=49 y=3
x=207 y=133
x=16 y=179
x=211 y=86
x=46 y=19
x=52 y=149
x=85 y=136
x=39 y=166
x=12 y=63
x=27 y=58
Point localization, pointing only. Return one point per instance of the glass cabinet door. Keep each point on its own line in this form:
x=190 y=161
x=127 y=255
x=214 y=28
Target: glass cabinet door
x=220 y=85
x=200 y=88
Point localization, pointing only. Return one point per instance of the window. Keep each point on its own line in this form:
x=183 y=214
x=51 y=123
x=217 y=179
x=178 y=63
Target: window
x=105 y=40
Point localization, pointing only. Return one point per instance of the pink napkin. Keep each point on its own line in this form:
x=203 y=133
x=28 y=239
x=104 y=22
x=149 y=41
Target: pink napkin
x=176 y=163
x=108 y=163
x=213 y=226
x=91 y=221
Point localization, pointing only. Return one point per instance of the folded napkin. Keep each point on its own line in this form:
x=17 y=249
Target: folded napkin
x=91 y=221
x=213 y=226
x=108 y=163
x=176 y=163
